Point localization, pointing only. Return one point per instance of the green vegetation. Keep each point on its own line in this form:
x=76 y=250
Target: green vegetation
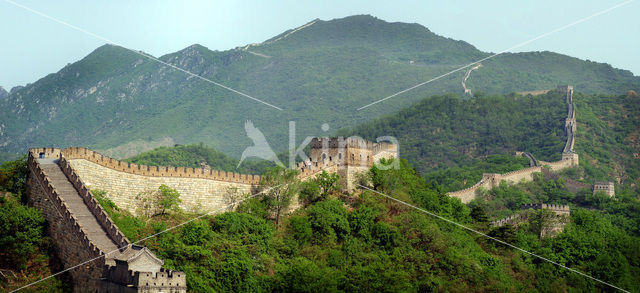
x=194 y=155
x=26 y=254
x=279 y=187
x=13 y=176
x=21 y=231
x=364 y=242
x=608 y=138
x=320 y=74
x=448 y=131
x=457 y=178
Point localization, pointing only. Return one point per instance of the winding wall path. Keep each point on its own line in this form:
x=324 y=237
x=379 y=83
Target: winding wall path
x=569 y=158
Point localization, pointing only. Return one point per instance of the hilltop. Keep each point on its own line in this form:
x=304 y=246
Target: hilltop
x=319 y=73
x=452 y=141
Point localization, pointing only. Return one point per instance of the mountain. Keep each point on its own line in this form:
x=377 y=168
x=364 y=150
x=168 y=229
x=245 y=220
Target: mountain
x=319 y=73
x=3 y=93
x=453 y=141
x=449 y=131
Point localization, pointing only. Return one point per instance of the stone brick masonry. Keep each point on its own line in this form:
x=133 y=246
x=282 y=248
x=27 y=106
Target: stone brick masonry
x=86 y=239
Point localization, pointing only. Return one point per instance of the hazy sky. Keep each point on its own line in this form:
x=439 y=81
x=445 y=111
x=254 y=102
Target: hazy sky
x=32 y=46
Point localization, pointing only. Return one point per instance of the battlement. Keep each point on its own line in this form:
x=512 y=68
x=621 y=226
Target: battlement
x=163 y=279
x=552 y=226
x=75 y=242
x=60 y=205
x=606 y=187
x=92 y=203
x=511 y=220
x=156 y=171
x=558 y=209
x=45 y=153
x=340 y=142
x=350 y=151
x=117 y=277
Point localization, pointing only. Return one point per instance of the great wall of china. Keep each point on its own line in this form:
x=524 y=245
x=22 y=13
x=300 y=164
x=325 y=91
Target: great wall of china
x=60 y=181
x=554 y=223
x=98 y=255
x=569 y=159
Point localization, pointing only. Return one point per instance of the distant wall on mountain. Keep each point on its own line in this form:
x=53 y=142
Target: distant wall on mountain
x=569 y=158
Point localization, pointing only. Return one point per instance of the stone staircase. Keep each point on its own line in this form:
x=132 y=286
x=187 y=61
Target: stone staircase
x=78 y=208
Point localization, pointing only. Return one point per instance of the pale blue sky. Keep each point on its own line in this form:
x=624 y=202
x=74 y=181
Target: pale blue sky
x=33 y=46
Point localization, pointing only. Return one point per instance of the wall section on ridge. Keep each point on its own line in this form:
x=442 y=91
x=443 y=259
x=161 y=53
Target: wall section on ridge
x=197 y=194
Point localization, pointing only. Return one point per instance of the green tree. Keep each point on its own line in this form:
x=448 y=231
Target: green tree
x=159 y=202
x=328 y=183
x=169 y=199
x=329 y=220
x=21 y=231
x=279 y=186
x=13 y=175
x=479 y=215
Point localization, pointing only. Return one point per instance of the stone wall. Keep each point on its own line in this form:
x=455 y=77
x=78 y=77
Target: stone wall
x=121 y=281
x=491 y=180
x=569 y=159
x=71 y=243
x=96 y=209
x=123 y=188
x=606 y=187
x=179 y=172
x=551 y=226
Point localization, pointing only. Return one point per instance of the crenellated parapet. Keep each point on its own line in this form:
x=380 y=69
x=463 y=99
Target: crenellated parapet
x=92 y=203
x=552 y=224
x=607 y=187
x=163 y=281
x=556 y=208
x=138 y=270
x=341 y=142
x=82 y=231
x=72 y=241
x=348 y=156
x=157 y=171
x=58 y=203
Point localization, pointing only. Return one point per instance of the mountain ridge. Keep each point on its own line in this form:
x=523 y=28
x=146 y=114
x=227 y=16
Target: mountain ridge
x=319 y=74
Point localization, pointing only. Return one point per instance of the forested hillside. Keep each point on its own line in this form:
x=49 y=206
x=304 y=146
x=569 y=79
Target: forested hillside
x=448 y=138
x=362 y=242
x=321 y=73
x=449 y=131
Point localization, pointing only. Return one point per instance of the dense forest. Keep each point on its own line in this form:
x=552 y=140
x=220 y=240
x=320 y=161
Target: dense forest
x=452 y=141
x=349 y=242
x=449 y=131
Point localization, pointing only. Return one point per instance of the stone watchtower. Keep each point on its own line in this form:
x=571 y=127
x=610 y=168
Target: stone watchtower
x=137 y=269
x=607 y=187
x=348 y=156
